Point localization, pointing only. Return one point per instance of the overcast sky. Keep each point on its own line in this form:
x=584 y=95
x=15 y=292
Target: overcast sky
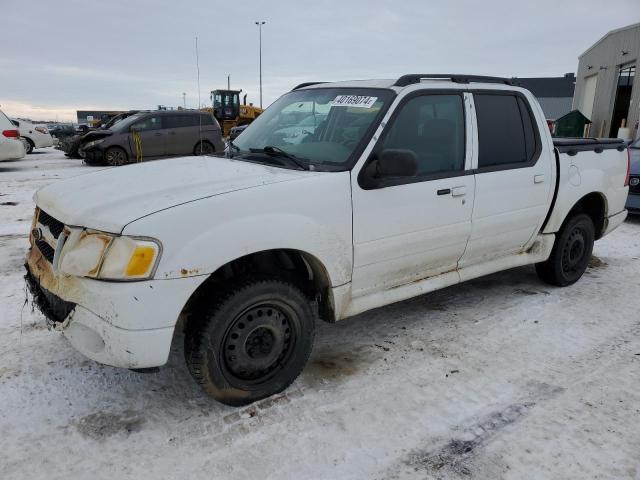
x=60 y=56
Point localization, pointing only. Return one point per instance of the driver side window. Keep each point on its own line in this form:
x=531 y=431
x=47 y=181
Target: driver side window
x=148 y=123
x=433 y=127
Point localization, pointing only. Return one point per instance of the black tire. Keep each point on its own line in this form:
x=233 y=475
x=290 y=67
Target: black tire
x=250 y=343
x=115 y=157
x=204 y=148
x=28 y=145
x=570 y=254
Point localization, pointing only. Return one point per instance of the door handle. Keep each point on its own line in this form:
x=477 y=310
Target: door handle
x=538 y=179
x=158 y=134
x=459 y=191
x=444 y=191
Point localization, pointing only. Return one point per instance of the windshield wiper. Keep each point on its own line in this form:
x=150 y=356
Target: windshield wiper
x=232 y=146
x=278 y=152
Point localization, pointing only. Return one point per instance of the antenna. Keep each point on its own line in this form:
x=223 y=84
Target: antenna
x=199 y=105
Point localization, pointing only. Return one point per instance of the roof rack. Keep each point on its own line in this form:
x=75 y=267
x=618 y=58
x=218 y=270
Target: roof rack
x=306 y=84
x=412 y=78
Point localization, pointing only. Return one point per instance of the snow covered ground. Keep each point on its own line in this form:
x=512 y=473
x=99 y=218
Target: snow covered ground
x=502 y=377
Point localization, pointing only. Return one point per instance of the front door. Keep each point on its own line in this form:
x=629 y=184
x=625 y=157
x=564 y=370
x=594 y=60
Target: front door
x=416 y=227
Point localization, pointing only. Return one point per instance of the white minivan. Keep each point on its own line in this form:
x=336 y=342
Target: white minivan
x=11 y=147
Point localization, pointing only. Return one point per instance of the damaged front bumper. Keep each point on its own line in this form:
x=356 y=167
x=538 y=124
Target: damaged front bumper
x=123 y=324
x=93 y=155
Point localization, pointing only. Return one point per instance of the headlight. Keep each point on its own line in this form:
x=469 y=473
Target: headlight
x=109 y=257
x=93 y=143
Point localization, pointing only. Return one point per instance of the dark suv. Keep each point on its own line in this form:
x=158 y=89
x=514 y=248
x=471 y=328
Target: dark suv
x=149 y=135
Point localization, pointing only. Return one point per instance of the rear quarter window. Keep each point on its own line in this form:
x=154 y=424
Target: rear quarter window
x=5 y=123
x=207 y=119
x=506 y=133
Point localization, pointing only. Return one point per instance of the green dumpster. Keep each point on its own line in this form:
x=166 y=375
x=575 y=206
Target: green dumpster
x=570 y=125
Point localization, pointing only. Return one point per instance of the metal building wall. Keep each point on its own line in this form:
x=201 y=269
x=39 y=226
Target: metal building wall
x=604 y=59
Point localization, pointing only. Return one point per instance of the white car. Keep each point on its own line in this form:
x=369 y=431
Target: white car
x=11 y=147
x=34 y=136
x=404 y=187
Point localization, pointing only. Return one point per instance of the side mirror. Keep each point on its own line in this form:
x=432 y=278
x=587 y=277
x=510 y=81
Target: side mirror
x=394 y=162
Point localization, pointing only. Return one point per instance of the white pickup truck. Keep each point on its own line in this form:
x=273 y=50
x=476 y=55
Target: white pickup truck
x=340 y=198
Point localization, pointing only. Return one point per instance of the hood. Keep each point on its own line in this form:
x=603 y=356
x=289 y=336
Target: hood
x=111 y=198
x=94 y=134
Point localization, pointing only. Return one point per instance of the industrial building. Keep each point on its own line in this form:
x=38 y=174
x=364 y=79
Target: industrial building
x=85 y=117
x=605 y=91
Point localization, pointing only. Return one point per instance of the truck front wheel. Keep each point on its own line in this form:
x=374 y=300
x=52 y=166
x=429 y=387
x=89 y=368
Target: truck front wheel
x=570 y=254
x=250 y=343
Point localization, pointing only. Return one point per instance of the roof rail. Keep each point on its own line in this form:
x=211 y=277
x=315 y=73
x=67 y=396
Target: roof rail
x=306 y=84
x=412 y=78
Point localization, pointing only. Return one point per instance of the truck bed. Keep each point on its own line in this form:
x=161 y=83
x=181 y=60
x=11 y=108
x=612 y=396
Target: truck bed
x=599 y=171
x=572 y=146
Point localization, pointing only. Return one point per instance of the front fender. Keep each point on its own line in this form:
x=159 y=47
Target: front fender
x=310 y=215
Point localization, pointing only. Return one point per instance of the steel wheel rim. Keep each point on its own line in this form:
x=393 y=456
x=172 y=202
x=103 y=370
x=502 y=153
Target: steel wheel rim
x=574 y=251
x=258 y=343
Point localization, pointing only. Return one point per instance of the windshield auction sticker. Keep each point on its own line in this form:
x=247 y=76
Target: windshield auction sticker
x=353 y=101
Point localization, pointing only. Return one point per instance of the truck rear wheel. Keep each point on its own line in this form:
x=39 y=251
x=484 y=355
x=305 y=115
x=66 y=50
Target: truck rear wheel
x=570 y=254
x=252 y=342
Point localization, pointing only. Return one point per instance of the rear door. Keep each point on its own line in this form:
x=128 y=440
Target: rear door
x=182 y=133
x=513 y=179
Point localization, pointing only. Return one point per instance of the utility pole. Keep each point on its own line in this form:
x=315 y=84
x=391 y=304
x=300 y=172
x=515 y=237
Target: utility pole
x=229 y=81
x=260 y=24
x=184 y=100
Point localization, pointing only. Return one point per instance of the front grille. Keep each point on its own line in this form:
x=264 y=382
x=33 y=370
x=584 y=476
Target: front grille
x=53 y=307
x=55 y=227
x=46 y=250
x=635 y=189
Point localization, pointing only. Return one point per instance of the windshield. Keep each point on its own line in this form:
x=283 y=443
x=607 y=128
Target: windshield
x=321 y=126
x=125 y=123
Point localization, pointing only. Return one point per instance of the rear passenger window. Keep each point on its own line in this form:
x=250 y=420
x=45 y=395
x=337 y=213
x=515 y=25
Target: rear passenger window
x=178 y=121
x=505 y=130
x=432 y=126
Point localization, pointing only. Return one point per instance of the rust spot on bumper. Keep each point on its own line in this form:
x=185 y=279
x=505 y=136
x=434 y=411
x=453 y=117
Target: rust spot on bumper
x=66 y=287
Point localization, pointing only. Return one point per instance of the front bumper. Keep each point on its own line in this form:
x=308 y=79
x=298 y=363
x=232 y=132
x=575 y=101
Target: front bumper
x=93 y=156
x=123 y=324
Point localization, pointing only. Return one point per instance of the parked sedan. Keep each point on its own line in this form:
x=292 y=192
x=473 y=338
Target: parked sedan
x=633 y=200
x=149 y=135
x=11 y=148
x=34 y=136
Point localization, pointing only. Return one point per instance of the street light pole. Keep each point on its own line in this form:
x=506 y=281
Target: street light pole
x=260 y=24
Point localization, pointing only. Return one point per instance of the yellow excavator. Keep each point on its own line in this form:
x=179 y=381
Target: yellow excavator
x=229 y=112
